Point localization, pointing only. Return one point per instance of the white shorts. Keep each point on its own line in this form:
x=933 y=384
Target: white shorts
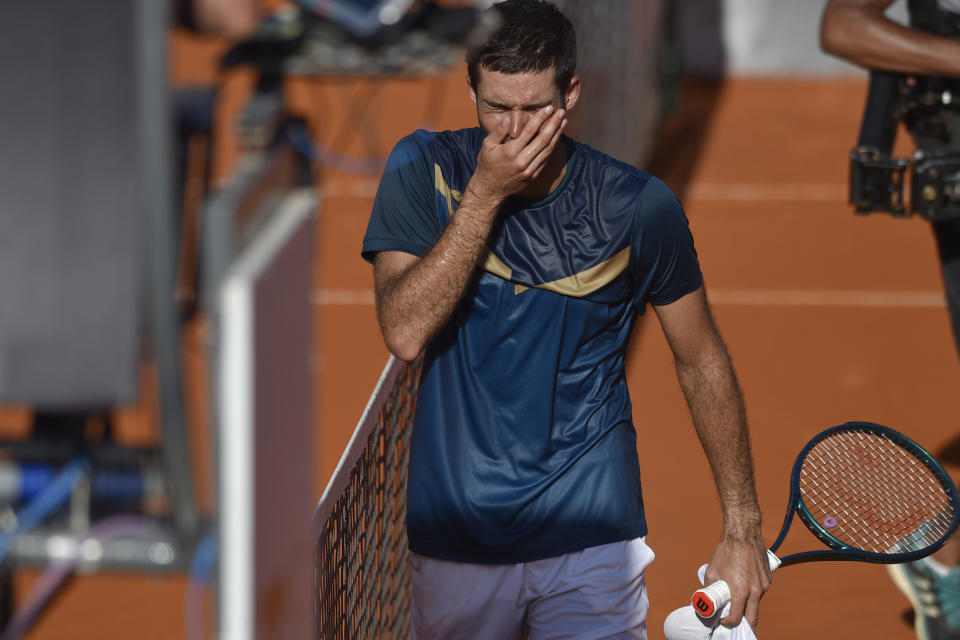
x=596 y=593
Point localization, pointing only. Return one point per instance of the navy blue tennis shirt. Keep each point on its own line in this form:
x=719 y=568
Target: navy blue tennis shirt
x=523 y=444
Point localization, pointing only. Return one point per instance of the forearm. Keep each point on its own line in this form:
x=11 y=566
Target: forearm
x=414 y=305
x=716 y=406
x=864 y=36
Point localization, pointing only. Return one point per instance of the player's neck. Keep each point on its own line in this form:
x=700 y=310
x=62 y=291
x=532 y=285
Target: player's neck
x=552 y=174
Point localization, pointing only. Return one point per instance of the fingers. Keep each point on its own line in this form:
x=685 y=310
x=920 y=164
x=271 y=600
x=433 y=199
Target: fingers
x=744 y=605
x=533 y=127
x=501 y=134
x=736 y=613
x=752 y=611
x=544 y=139
x=498 y=135
x=746 y=567
x=733 y=618
x=505 y=165
x=540 y=161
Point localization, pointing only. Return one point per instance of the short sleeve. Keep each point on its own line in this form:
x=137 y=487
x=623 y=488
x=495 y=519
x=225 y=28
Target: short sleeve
x=404 y=215
x=663 y=259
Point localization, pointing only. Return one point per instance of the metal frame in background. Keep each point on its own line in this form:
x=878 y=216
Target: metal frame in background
x=259 y=228
x=158 y=544
x=156 y=160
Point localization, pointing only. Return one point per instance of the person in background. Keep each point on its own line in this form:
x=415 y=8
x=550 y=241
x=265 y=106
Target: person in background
x=860 y=32
x=233 y=19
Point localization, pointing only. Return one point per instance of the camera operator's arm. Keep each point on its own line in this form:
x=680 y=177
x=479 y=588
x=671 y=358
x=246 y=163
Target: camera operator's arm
x=858 y=31
x=234 y=19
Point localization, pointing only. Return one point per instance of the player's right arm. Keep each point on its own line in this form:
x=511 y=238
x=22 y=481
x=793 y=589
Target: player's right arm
x=858 y=31
x=416 y=296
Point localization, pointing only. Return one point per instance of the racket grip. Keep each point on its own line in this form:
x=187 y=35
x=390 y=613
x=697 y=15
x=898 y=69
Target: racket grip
x=710 y=599
x=714 y=597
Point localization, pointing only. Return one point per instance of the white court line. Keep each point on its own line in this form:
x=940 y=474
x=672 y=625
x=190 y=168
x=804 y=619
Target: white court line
x=851 y=299
x=729 y=297
x=766 y=192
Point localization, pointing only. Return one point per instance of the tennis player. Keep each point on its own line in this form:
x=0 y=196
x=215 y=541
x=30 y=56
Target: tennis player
x=516 y=260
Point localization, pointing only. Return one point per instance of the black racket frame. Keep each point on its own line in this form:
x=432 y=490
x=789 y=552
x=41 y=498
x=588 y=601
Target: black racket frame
x=839 y=550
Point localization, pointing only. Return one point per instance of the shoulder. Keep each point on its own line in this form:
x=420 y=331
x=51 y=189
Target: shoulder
x=421 y=149
x=613 y=173
x=651 y=196
x=657 y=201
x=428 y=147
x=458 y=145
x=417 y=146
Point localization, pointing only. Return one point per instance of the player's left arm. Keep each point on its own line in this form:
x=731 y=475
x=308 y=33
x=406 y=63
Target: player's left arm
x=713 y=395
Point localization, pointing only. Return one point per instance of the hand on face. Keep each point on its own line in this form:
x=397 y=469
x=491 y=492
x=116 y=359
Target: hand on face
x=506 y=165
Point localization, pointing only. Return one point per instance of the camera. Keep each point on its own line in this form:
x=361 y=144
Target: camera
x=935 y=186
x=931 y=176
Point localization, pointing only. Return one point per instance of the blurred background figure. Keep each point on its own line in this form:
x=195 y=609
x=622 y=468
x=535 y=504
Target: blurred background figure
x=657 y=68
x=194 y=104
x=915 y=76
x=619 y=59
x=233 y=19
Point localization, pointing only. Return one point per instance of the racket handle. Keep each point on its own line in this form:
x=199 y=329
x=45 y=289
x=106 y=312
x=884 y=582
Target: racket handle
x=714 y=597
x=710 y=599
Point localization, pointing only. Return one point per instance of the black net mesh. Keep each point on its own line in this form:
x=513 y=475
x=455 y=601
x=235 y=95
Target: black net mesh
x=362 y=578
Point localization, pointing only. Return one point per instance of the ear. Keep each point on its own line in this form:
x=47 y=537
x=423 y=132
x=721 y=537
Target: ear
x=572 y=94
x=473 y=91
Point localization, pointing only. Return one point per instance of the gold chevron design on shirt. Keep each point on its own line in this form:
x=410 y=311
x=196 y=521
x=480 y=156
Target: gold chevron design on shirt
x=576 y=286
x=588 y=280
x=498 y=267
x=441 y=185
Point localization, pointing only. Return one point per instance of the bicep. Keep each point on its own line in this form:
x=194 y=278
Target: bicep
x=869 y=6
x=845 y=20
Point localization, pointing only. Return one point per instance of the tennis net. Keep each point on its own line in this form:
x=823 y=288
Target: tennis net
x=362 y=579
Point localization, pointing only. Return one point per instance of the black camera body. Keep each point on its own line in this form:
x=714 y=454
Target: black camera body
x=935 y=186
x=876 y=182
x=931 y=177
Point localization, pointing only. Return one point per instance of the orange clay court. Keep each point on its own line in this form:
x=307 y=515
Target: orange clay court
x=829 y=317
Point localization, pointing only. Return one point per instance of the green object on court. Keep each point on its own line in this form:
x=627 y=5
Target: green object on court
x=935 y=599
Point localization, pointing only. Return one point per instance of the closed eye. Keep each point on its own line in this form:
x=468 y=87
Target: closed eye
x=494 y=106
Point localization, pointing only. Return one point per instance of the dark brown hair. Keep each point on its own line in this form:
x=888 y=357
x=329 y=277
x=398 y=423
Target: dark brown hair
x=533 y=36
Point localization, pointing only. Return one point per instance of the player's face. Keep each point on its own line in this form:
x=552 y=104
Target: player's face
x=513 y=98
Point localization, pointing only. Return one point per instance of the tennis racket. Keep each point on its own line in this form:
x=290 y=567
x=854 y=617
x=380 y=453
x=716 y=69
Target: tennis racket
x=869 y=494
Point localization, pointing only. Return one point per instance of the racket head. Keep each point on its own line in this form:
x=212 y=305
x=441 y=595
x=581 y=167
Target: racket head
x=872 y=494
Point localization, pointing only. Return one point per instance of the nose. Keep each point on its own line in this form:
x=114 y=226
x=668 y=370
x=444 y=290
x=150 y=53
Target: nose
x=516 y=121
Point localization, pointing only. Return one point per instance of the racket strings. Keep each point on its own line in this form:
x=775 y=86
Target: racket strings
x=872 y=494
x=855 y=505
x=907 y=513
x=893 y=478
